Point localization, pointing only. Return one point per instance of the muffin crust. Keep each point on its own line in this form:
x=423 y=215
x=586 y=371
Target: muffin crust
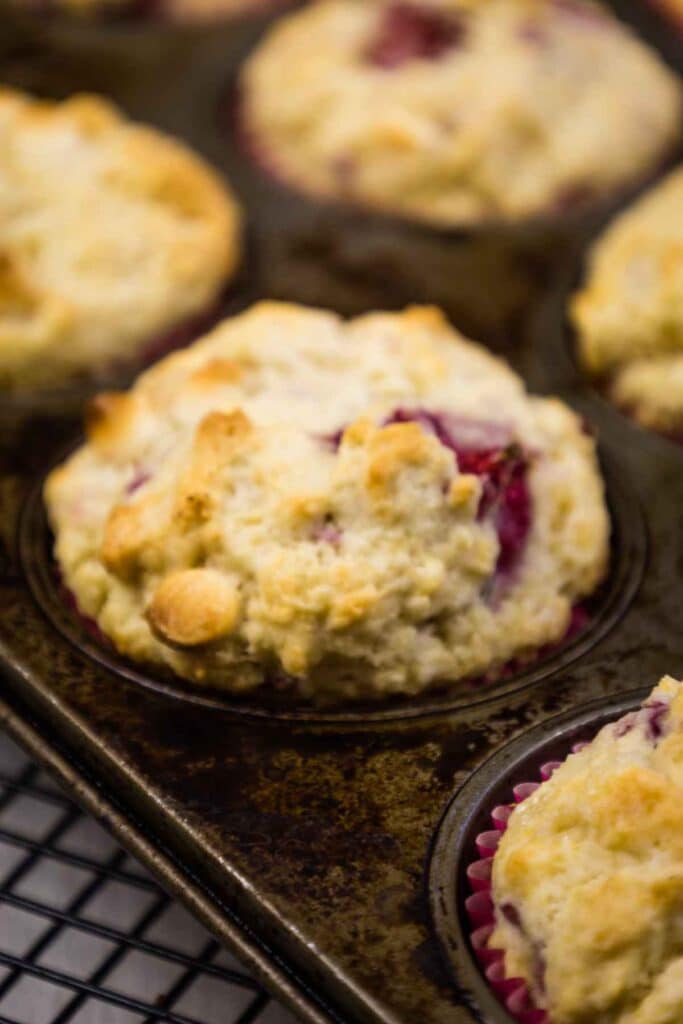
x=629 y=314
x=365 y=507
x=112 y=234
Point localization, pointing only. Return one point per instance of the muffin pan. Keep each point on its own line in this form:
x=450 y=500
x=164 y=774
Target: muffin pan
x=302 y=836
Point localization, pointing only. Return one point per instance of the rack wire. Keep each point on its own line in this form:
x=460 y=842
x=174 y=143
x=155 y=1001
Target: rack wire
x=86 y=934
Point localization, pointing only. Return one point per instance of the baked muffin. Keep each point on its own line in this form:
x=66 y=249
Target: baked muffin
x=587 y=879
x=356 y=509
x=111 y=235
x=629 y=314
x=457 y=111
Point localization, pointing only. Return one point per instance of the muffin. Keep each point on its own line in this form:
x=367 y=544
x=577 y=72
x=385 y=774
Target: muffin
x=587 y=879
x=457 y=111
x=112 y=237
x=350 y=509
x=629 y=314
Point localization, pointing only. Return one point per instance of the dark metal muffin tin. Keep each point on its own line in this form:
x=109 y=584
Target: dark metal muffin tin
x=302 y=836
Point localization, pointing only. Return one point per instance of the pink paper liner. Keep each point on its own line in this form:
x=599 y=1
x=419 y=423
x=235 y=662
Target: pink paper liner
x=513 y=993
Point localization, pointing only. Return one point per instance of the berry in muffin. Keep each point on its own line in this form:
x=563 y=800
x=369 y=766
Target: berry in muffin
x=364 y=508
x=629 y=313
x=587 y=879
x=454 y=111
x=111 y=235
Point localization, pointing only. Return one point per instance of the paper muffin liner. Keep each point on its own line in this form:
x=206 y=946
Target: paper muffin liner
x=512 y=992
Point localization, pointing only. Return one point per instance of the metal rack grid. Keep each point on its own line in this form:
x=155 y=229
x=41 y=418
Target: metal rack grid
x=88 y=937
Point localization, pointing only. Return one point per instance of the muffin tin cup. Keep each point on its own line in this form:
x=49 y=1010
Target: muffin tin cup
x=513 y=993
x=464 y=846
x=627 y=560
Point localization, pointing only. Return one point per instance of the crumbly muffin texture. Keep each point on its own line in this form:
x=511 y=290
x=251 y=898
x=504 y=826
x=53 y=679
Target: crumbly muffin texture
x=458 y=111
x=112 y=234
x=629 y=314
x=588 y=876
x=355 y=509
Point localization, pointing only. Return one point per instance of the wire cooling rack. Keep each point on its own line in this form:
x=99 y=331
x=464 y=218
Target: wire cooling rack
x=88 y=937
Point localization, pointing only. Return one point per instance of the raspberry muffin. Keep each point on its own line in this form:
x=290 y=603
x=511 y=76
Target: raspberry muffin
x=354 y=509
x=587 y=879
x=629 y=314
x=112 y=235
x=457 y=111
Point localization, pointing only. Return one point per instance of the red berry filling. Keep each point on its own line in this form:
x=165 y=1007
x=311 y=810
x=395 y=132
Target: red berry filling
x=487 y=451
x=139 y=479
x=408 y=32
x=651 y=716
